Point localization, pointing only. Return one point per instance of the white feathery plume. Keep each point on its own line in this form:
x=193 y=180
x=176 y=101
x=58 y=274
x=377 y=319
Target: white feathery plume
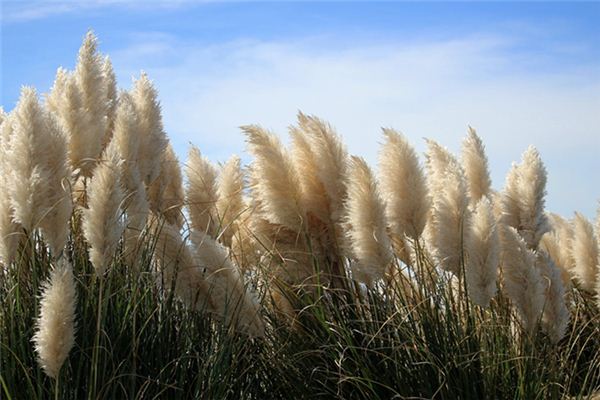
x=475 y=164
x=314 y=195
x=320 y=161
x=403 y=186
x=166 y=193
x=437 y=159
x=177 y=266
x=55 y=224
x=523 y=282
x=557 y=244
x=102 y=222
x=496 y=198
x=244 y=247
x=523 y=198
x=9 y=229
x=126 y=139
x=66 y=103
x=276 y=184
x=584 y=250
x=230 y=203
x=201 y=193
x=55 y=327
x=204 y=278
x=331 y=158
x=110 y=82
x=153 y=140
x=556 y=315
x=232 y=302
x=30 y=173
x=90 y=80
x=137 y=209
x=450 y=217
x=483 y=249
x=368 y=238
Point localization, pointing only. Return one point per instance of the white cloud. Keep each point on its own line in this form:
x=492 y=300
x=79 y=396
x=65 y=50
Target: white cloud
x=432 y=89
x=22 y=11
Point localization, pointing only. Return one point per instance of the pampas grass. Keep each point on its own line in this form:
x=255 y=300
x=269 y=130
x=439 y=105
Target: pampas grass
x=272 y=271
x=110 y=81
x=90 y=80
x=153 y=140
x=557 y=244
x=522 y=280
x=201 y=193
x=35 y=165
x=475 y=164
x=230 y=203
x=523 y=198
x=9 y=229
x=55 y=327
x=450 y=214
x=177 y=268
x=166 y=193
x=314 y=195
x=483 y=249
x=59 y=205
x=368 y=238
x=229 y=298
x=556 y=314
x=584 y=250
x=403 y=186
x=331 y=157
x=102 y=221
x=276 y=182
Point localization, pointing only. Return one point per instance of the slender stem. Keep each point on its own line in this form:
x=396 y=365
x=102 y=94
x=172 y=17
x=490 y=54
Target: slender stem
x=56 y=396
x=97 y=342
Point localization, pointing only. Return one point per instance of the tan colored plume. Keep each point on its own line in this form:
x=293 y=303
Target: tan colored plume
x=102 y=221
x=475 y=164
x=201 y=193
x=166 y=193
x=110 y=81
x=10 y=231
x=231 y=300
x=557 y=244
x=276 y=183
x=450 y=215
x=523 y=198
x=34 y=157
x=153 y=140
x=55 y=327
x=523 y=282
x=230 y=203
x=483 y=249
x=584 y=250
x=331 y=159
x=403 y=186
x=556 y=314
x=367 y=225
x=59 y=204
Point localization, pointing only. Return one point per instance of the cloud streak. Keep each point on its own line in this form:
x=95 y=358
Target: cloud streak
x=15 y=11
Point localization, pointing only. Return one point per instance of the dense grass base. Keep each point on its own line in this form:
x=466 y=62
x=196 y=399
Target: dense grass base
x=136 y=341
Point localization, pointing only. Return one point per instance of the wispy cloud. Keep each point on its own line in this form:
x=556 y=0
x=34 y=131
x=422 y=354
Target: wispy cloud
x=14 y=11
x=433 y=89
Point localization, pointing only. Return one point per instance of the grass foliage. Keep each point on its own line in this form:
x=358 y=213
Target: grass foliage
x=136 y=341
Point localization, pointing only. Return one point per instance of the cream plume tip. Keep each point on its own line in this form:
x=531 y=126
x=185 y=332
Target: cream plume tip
x=55 y=327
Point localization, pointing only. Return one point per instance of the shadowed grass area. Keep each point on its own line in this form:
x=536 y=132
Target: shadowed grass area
x=135 y=340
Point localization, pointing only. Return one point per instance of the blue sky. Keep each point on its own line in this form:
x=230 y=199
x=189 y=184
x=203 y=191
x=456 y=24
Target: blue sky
x=520 y=73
